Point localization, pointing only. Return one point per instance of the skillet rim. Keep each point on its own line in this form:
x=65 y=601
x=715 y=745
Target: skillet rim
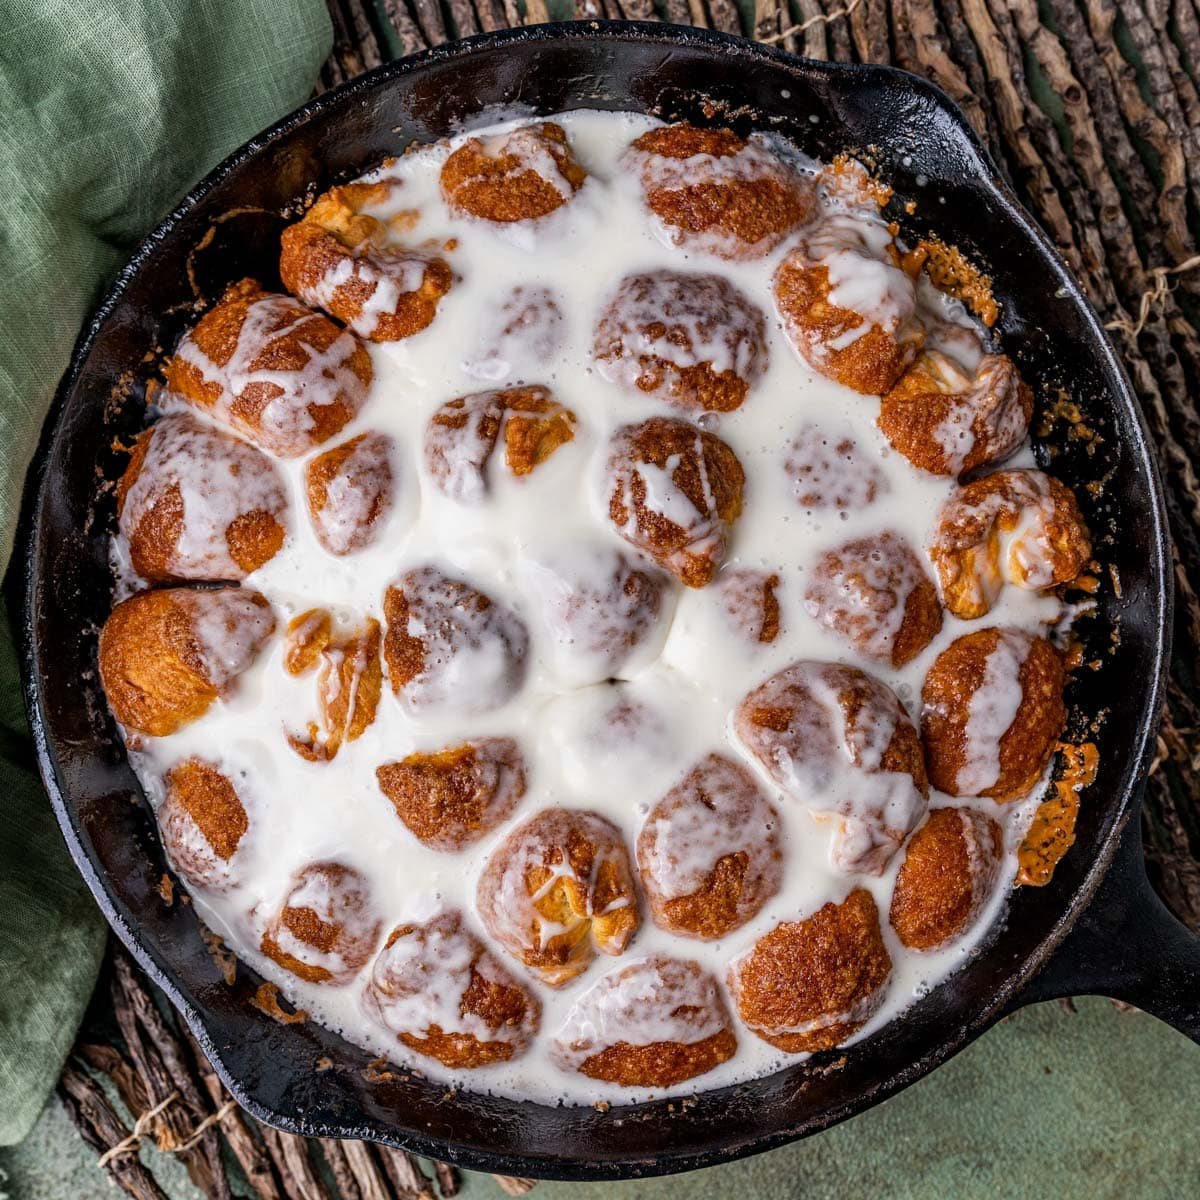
x=1124 y=803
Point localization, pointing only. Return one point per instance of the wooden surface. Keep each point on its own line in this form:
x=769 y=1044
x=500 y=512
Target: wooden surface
x=1092 y=112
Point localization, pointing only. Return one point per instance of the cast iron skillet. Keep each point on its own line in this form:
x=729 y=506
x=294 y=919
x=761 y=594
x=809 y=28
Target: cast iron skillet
x=1096 y=928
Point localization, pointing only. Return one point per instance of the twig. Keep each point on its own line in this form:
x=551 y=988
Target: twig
x=512 y=1185
x=810 y=22
x=410 y=1182
x=291 y=1155
x=101 y=1128
x=250 y=1154
x=407 y=34
x=162 y=1062
x=339 y=1167
x=448 y=1179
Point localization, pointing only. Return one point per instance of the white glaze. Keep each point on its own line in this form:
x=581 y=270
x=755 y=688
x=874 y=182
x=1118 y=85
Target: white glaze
x=613 y=750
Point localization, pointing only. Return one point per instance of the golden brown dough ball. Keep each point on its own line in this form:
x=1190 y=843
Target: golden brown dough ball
x=749 y=603
x=874 y=593
x=1021 y=527
x=349 y=492
x=847 y=306
x=166 y=655
x=948 y=872
x=438 y=989
x=828 y=469
x=195 y=503
x=652 y=1023
x=449 y=648
x=338 y=258
x=674 y=490
x=461 y=437
x=327 y=928
x=809 y=985
x=693 y=340
x=992 y=713
x=947 y=420
x=202 y=821
x=349 y=683
x=453 y=797
x=709 y=853
x=516 y=176
x=557 y=890
x=839 y=742
x=716 y=191
x=284 y=377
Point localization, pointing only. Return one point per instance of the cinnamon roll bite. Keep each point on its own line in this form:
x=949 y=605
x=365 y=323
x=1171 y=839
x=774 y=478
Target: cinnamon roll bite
x=166 y=656
x=521 y=175
x=558 y=890
x=652 y=1023
x=713 y=190
x=195 y=503
x=282 y=376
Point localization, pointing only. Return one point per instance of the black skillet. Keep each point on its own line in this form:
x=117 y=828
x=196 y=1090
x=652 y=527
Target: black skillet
x=1096 y=928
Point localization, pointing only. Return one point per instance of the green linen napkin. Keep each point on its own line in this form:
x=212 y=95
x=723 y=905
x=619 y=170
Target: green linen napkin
x=109 y=111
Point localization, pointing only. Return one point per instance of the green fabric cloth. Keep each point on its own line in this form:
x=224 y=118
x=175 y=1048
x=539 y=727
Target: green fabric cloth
x=109 y=111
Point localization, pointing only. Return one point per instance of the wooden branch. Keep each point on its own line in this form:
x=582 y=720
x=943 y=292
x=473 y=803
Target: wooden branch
x=295 y=1165
x=339 y=1167
x=448 y=1179
x=409 y=36
x=102 y=1129
x=238 y=1128
x=157 y=1056
x=725 y=15
x=410 y=1182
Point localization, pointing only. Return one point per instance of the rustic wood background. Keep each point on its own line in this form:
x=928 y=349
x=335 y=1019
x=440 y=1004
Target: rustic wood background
x=1092 y=110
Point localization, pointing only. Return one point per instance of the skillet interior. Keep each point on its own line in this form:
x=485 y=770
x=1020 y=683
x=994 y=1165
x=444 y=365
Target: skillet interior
x=926 y=152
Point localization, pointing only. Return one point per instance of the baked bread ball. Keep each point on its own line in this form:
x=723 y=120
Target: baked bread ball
x=839 y=742
x=517 y=176
x=453 y=797
x=874 y=593
x=449 y=648
x=195 y=503
x=992 y=713
x=338 y=258
x=438 y=989
x=349 y=492
x=673 y=492
x=326 y=928
x=692 y=340
x=847 y=306
x=749 y=603
x=1020 y=526
x=809 y=985
x=462 y=434
x=349 y=684
x=284 y=377
x=709 y=853
x=597 y=609
x=949 y=871
x=557 y=890
x=307 y=635
x=166 y=655
x=651 y=1023
x=715 y=191
x=828 y=470
x=949 y=420
x=521 y=335
x=202 y=822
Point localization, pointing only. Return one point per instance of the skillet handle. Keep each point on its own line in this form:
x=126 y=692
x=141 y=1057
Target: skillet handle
x=1128 y=946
